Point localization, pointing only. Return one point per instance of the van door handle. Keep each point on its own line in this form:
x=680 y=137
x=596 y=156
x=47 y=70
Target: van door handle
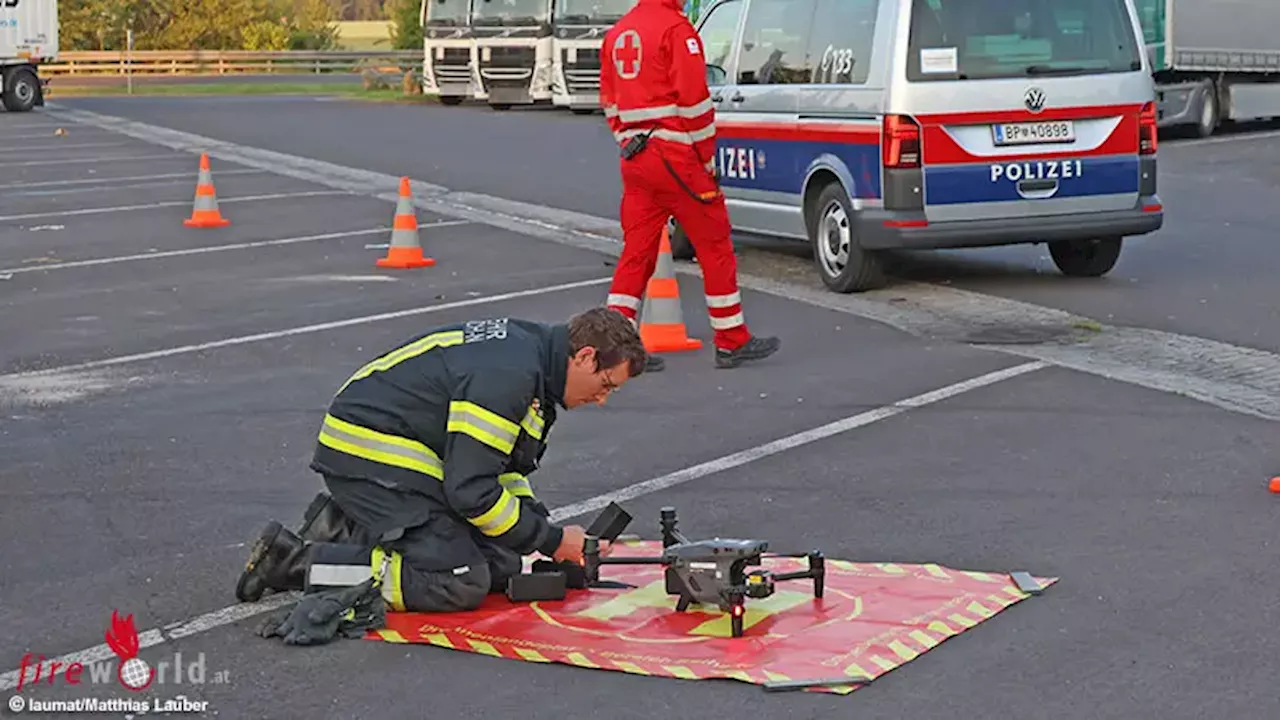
x=717 y=98
x=737 y=97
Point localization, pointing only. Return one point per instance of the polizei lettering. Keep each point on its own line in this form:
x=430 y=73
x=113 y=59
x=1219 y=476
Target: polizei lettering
x=738 y=163
x=1039 y=170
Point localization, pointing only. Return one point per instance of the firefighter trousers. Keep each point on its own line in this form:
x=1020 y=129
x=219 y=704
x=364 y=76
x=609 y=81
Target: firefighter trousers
x=429 y=559
x=652 y=193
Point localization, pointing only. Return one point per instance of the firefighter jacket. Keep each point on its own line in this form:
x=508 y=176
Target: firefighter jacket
x=459 y=414
x=653 y=79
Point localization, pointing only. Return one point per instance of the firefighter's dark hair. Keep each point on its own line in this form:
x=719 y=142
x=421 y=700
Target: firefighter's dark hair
x=612 y=334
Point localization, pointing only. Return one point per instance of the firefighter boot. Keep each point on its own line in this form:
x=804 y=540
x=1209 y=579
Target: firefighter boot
x=324 y=521
x=757 y=348
x=277 y=562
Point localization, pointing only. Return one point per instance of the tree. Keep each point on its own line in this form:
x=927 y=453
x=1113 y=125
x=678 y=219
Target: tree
x=406 y=24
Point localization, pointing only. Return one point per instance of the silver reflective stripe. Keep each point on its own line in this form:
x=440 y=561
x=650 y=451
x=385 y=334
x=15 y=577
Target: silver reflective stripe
x=687 y=138
x=724 y=301
x=491 y=527
x=664 y=111
x=516 y=484
x=339 y=575
x=724 y=323
x=461 y=414
x=534 y=424
x=610 y=111
x=626 y=301
x=348 y=438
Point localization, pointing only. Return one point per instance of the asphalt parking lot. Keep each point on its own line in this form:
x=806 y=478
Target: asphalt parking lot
x=162 y=387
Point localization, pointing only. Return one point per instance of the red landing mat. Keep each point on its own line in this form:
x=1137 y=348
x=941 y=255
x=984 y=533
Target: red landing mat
x=875 y=617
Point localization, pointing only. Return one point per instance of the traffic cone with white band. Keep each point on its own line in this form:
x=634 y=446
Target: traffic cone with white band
x=662 y=325
x=204 y=211
x=405 y=250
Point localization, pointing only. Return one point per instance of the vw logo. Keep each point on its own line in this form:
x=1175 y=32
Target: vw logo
x=1034 y=99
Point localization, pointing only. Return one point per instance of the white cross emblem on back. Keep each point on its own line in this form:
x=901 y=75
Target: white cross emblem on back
x=626 y=54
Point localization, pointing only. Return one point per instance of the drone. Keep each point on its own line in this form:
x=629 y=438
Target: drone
x=712 y=572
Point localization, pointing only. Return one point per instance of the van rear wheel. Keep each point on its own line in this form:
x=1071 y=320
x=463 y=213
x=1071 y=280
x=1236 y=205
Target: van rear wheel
x=844 y=266
x=681 y=246
x=1086 y=258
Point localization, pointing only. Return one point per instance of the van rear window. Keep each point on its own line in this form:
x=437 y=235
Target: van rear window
x=983 y=39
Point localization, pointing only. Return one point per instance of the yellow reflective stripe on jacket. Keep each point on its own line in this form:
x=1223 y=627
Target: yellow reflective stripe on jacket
x=500 y=518
x=380 y=447
x=412 y=350
x=516 y=484
x=392 y=590
x=533 y=423
x=484 y=425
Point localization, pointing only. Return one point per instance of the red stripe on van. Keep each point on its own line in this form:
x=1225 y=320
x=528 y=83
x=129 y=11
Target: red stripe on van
x=820 y=132
x=987 y=117
x=940 y=149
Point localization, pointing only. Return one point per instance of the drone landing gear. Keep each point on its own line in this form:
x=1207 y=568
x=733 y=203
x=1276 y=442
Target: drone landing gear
x=737 y=610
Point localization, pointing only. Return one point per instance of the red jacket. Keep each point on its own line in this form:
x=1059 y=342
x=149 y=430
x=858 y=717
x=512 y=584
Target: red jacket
x=653 y=75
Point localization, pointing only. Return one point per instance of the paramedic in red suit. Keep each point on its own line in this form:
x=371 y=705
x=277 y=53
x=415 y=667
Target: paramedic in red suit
x=653 y=87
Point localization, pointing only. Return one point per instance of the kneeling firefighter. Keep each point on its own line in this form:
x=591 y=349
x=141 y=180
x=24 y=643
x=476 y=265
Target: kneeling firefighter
x=426 y=453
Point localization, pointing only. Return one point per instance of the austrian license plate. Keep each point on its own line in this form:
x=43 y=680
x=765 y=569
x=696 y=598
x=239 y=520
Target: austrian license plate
x=1056 y=131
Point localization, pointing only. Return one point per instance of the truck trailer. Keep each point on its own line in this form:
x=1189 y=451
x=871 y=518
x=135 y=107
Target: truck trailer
x=580 y=26
x=450 y=70
x=28 y=37
x=1213 y=60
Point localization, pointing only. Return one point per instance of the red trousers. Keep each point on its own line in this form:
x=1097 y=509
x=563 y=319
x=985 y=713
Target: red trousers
x=651 y=195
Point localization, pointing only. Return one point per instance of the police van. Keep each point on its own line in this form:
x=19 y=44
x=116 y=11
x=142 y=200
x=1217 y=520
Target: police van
x=862 y=126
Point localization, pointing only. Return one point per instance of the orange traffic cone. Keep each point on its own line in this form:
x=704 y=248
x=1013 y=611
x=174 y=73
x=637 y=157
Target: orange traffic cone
x=662 y=325
x=205 y=213
x=405 y=251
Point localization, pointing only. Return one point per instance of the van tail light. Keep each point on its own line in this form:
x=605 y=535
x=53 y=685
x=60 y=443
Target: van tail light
x=1147 y=130
x=901 y=142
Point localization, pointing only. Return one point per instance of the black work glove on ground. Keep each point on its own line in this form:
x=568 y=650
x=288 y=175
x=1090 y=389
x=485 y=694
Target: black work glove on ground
x=319 y=618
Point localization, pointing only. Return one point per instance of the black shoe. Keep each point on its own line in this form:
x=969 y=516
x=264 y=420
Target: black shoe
x=653 y=363
x=277 y=562
x=324 y=521
x=757 y=348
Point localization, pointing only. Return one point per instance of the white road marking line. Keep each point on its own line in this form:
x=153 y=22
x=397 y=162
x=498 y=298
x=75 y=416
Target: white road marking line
x=171 y=203
x=236 y=613
x=40 y=148
x=217 y=248
x=1230 y=377
x=46 y=135
x=304 y=330
x=95 y=159
x=100 y=188
x=126 y=178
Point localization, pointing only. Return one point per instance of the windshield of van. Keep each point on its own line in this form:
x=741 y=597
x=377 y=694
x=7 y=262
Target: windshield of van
x=511 y=12
x=448 y=13
x=977 y=39
x=588 y=12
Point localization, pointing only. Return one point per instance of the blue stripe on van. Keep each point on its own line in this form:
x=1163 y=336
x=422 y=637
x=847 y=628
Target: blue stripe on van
x=785 y=162
x=995 y=182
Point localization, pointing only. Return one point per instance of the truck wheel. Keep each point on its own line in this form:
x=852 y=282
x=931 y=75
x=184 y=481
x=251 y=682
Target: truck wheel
x=500 y=106
x=20 y=91
x=582 y=111
x=844 y=266
x=1208 y=122
x=681 y=247
x=451 y=99
x=1086 y=258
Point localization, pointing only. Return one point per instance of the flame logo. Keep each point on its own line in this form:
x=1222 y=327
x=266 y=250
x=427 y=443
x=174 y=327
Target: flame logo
x=134 y=673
